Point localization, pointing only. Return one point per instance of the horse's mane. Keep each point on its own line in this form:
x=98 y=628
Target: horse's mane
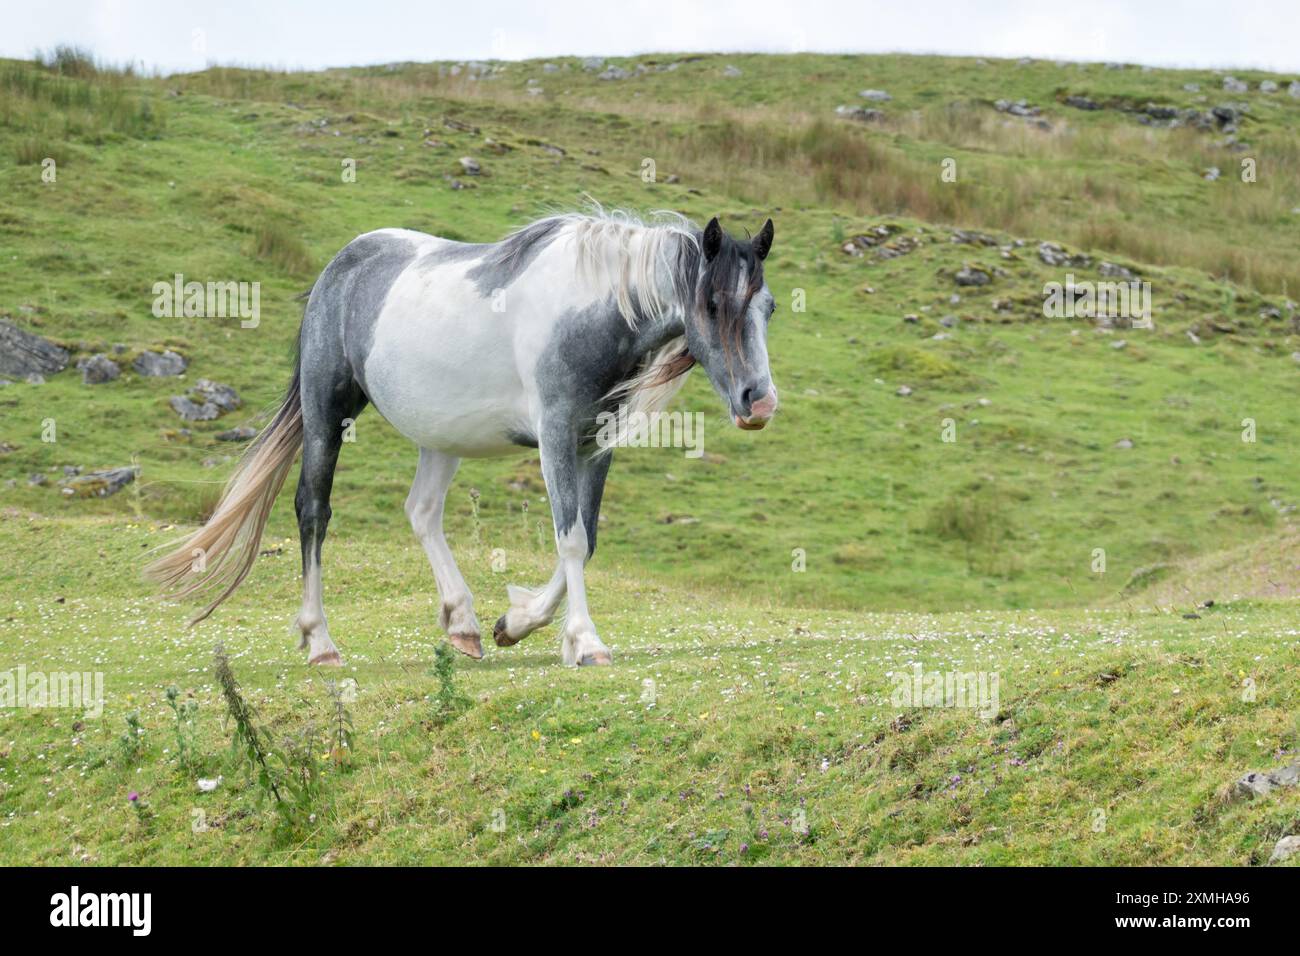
x=638 y=261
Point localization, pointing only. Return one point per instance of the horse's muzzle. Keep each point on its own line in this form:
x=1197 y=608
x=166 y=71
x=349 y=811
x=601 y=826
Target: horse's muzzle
x=760 y=412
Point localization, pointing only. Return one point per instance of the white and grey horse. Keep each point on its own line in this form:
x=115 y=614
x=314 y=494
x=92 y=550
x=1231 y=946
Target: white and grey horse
x=472 y=350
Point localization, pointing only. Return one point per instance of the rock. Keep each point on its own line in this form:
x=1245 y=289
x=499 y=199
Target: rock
x=100 y=484
x=1293 y=89
x=192 y=411
x=593 y=62
x=1082 y=103
x=205 y=401
x=23 y=354
x=1160 y=112
x=1268 y=86
x=1124 y=443
x=1054 y=255
x=875 y=96
x=37 y=480
x=98 y=369
x=730 y=70
x=613 y=73
x=1017 y=108
x=159 y=364
x=242 y=433
x=1286 y=847
x=223 y=396
x=904 y=390
x=550 y=68
x=949 y=321
x=1192 y=87
x=35 y=378
x=970 y=237
x=1233 y=85
x=1226 y=115
x=972 y=275
x=1211 y=174
x=1112 y=271
x=470 y=165
x=1259 y=783
x=859 y=113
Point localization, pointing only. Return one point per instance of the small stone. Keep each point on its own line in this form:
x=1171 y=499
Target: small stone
x=875 y=96
x=242 y=433
x=904 y=391
x=1285 y=848
x=159 y=364
x=470 y=165
x=98 y=369
x=972 y=276
x=1124 y=443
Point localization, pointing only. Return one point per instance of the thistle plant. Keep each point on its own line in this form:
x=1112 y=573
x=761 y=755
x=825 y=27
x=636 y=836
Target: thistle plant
x=132 y=739
x=340 y=727
x=185 y=713
x=447 y=700
x=249 y=741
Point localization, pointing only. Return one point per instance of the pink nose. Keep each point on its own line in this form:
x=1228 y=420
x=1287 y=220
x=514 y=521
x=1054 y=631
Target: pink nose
x=765 y=407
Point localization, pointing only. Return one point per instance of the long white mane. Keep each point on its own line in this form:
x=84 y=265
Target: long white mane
x=639 y=262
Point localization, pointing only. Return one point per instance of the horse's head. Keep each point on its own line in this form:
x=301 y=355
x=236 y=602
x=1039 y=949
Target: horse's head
x=726 y=325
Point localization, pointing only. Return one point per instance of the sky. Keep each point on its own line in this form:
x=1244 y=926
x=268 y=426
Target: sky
x=180 y=35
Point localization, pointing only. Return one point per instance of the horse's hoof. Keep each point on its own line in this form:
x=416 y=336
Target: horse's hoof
x=596 y=659
x=501 y=637
x=467 y=644
x=328 y=659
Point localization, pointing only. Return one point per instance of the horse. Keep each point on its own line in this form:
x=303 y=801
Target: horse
x=473 y=350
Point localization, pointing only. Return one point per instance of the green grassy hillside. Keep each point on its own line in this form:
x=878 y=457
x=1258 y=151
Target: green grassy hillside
x=946 y=457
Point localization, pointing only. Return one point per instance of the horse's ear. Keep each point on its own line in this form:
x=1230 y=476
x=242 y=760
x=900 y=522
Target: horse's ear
x=762 y=243
x=712 y=240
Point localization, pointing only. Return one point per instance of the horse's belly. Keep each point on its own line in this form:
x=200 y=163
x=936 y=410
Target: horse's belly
x=448 y=388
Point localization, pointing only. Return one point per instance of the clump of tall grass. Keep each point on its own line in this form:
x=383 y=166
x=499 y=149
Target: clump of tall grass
x=66 y=94
x=273 y=242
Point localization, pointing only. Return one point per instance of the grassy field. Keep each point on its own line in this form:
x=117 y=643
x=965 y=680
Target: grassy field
x=1045 y=504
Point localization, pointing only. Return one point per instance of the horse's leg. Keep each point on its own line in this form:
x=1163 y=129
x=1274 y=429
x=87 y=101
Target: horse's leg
x=424 y=507
x=562 y=471
x=323 y=412
x=530 y=610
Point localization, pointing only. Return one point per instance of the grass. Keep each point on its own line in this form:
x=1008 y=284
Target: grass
x=957 y=522
x=721 y=723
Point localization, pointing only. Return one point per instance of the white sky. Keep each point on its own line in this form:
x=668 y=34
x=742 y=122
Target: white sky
x=292 y=33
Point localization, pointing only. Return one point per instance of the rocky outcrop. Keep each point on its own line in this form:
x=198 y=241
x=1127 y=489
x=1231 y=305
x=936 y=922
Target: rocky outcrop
x=99 y=484
x=23 y=354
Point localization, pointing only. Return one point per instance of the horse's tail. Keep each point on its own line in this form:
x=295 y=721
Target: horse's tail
x=218 y=556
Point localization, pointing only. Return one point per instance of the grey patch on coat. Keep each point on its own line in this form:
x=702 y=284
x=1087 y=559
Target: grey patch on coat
x=338 y=328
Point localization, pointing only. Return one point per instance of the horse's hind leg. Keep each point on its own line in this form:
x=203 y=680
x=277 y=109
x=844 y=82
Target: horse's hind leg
x=324 y=410
x=424 y=506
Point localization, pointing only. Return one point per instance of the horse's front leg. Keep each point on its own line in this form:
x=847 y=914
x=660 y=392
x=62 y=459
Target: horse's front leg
x=529 y=609
x=574 y=541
